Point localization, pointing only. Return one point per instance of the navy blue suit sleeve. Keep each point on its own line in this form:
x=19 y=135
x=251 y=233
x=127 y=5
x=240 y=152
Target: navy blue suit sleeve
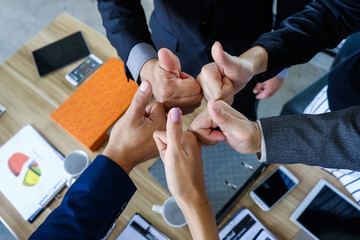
x=91 y=204
x=125 y=24
x=322 y=24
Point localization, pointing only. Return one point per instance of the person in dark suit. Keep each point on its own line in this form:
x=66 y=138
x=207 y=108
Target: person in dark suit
x=328 y=140
x=188 y=29
x=94 y=202
x=296 y=41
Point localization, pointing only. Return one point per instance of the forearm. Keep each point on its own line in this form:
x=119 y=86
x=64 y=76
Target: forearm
x=200 y=218
x=258 y=58
x=322 y=24
x=327 y=140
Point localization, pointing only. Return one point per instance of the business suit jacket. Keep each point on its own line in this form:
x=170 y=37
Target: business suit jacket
x=329 y=140
x=323 y=24
x=91 y=205
x=188 y=28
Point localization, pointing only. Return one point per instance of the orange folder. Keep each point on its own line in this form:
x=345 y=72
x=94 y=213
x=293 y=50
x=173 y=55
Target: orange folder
x=92 y=109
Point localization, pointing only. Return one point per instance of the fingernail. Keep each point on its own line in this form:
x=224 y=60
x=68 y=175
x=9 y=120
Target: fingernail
x=175 y=115
x=215 y=107
x=144 y=86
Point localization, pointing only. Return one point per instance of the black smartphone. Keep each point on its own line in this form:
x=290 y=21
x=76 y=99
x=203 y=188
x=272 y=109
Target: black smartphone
x=273 y=188
x=60 y=53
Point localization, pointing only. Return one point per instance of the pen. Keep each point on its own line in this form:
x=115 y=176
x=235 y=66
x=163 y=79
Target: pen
x=47 y=199
x=142 y=231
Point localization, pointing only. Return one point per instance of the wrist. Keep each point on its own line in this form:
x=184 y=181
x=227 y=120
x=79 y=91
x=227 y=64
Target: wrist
x=191 y=203
x=119 y=158
x=200 y=217
x=257 y=138
x=258 y=58
x=147 y=69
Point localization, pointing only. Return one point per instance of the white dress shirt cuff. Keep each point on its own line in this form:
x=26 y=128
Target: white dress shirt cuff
x=263 y=147
x=283 y=73
x=138 y=56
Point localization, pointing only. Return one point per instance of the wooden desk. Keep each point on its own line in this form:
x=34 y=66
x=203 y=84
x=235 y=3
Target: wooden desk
x=31 y=99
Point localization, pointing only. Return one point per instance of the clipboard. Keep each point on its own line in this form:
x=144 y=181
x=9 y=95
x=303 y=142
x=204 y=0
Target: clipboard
x=31 y=172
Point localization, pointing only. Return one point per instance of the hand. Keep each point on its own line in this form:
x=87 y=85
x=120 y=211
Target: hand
x=171 y=87
x=206 y=130
x=268 y=88
x=131 y=140
x=181 y=154
x=240 y=133
x=225 y=77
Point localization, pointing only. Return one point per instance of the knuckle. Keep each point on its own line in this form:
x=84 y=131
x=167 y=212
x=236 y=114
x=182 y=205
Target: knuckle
x=225 y=118
x=165 y=91
x=138 y=99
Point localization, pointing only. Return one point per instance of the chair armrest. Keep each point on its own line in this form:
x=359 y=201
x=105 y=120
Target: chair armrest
x=298 y=103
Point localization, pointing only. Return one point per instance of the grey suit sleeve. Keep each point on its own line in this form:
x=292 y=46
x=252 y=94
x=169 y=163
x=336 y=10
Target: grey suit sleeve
x=328 y=140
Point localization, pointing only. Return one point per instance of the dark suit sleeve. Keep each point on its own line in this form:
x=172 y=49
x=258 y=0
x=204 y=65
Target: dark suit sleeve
x=328 y=140
x=125 y=24
x=322 y=24
x=91 y=205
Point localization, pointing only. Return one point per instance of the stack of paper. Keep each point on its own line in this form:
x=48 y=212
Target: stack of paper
x=31 y=172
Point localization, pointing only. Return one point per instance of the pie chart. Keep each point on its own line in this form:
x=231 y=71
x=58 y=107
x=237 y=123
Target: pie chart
x=32 y=175
x=16 y=163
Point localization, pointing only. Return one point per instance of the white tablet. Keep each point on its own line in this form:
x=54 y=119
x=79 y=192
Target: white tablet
x=327 y=213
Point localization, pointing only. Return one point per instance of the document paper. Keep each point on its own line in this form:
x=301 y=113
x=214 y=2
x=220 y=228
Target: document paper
x=244 y=225
x=29 y=168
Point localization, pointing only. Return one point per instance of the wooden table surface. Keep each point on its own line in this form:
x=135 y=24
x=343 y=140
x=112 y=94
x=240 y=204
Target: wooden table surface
x=31 y=99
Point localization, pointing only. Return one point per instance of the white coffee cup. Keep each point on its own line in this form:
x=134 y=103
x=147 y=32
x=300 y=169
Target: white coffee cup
x=171 y=213
x=74 y=164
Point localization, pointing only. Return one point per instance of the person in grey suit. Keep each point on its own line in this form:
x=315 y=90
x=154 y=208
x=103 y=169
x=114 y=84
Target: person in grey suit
x=328 y=140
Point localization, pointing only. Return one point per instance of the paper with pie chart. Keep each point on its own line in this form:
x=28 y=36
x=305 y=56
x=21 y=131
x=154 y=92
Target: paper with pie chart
x=30 y=168
x=33 y=172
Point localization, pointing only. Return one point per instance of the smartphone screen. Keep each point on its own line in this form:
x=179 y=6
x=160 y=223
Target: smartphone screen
x=273 y=188
x=83 y=70
x=60 y=53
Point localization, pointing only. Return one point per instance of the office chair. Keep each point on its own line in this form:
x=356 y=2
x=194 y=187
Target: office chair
x=300 y=101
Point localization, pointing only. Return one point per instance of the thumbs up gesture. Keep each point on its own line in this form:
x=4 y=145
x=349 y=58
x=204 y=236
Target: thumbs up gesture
x=222 y=79
x=220 y=122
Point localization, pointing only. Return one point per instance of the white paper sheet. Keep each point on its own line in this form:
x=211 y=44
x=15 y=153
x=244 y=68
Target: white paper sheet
x=28 y=176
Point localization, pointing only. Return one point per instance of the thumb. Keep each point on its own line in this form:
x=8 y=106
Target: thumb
x=160 y=141
x=222 y=58
x=220 y=116
x=169 y=61
x=174 y=129
x=140 y=101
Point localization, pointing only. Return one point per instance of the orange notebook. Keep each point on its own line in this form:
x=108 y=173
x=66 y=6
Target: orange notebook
x=92 y=109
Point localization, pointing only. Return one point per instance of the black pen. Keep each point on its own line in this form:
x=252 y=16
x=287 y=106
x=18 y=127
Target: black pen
x=142 y=231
